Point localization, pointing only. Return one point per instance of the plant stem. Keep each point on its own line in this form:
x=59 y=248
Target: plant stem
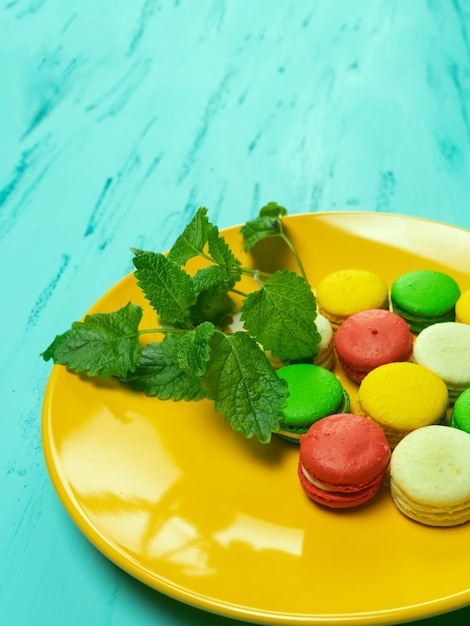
x=239 y=293
x=254 y=273
x=296 y=256
x=161 y=330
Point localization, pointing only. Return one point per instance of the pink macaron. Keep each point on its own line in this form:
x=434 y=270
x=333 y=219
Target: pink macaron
x=372 y=338
x=342 y=460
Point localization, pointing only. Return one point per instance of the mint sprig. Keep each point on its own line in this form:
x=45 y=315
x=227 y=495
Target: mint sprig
x=196 y=358
x=269 y=224
x=201 y=238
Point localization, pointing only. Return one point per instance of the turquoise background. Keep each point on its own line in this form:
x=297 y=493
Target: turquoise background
x=117 y=120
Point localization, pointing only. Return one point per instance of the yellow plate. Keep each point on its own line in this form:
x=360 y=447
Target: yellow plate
x=173 y=496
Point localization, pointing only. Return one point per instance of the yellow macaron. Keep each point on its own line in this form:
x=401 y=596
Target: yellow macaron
x=401 y=397
x=462 y=308
x=345 y=292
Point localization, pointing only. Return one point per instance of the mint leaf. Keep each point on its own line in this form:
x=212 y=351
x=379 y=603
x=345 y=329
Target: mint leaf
x=211 y=276
x=267 y=224
x=104 y=344
x=213 y=305
x=281 y=315
x=193 y=239
x=192 y=350
x=244 y=386
x=213 y=302
x=168 y=287
x=158 y=374
x=221 y=253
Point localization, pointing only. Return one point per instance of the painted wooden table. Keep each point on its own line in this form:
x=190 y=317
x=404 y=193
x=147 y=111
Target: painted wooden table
x=118 y=119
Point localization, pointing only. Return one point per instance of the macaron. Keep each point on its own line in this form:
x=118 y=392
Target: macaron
x=236 y=325
x=444 y=348
x=342 y=460
x=430 y=476
x=424 y=297
x=343 y=293
x=314 y=393
x=325 y=356
x=372 y=338
x=401 y=397
x=462 y=308
x=460 y=414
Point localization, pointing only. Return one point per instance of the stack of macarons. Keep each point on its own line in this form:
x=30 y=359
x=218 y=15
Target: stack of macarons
x=372 y=338
x=369 y=322
x=342 y=460
x=408 y=351
x=314 y=393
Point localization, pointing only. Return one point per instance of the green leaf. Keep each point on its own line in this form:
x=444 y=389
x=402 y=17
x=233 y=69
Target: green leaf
x=192 y=350
x=213 y=305
x=281 y=315
x=193 y=239
x=221 y=253
x=168 y=287
x=209 y=277
x=213 y=302
x=244 y=386
x=104 y=344
x=267 y=224
x=158 y=374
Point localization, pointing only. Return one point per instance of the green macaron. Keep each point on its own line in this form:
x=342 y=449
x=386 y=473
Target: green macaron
x=314 y=393
x=460 y=416
x=424 y=297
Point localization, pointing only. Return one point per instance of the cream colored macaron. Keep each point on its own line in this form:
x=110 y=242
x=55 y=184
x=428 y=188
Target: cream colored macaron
x=430 y=476
x=444 y=348
x=325 y=356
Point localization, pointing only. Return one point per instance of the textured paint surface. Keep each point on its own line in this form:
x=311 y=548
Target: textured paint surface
x=117 y=120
